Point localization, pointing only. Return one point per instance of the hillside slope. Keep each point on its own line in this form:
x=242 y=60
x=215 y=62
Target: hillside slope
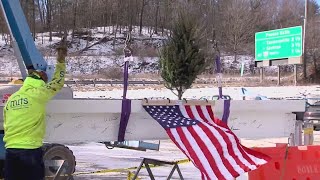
x=99 y=52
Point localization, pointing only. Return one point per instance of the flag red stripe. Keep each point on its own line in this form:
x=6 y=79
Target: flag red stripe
x=244 y=154
x=206 y=153
x=245 y=151
x=242 y=151
x=256 y=154
x=189 y=111
x=215 y=120
x=230 y=148
x=178 y=145
x=203 y=176
x=211 y=114
x=229 y=145
x=191 y=151
x=220 y=123
x=202 y=116
x=228 y=141
x=182 y=149
x=175 y=141
x=219 y=148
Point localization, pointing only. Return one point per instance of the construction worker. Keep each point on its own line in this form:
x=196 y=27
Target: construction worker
x=24 y=122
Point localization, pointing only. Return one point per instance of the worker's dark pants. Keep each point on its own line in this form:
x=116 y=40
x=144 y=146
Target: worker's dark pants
x=24 y=164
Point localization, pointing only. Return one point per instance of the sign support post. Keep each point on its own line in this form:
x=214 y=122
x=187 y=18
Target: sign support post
x=295 y=75
x=279 y=69
x=261 y=74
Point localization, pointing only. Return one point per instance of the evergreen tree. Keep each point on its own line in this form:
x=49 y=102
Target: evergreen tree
x=182 y=58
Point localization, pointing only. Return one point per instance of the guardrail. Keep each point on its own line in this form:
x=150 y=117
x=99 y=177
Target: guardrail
x=135 y=82
x=111 y=82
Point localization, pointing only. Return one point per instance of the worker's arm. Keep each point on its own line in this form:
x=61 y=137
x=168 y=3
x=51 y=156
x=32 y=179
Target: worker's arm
x=56 y=84
x=47 y=92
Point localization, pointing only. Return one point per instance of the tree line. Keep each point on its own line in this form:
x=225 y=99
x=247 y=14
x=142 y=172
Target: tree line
x=230 y=23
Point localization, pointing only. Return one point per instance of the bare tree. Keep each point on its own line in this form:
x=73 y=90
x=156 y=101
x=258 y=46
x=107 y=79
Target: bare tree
x=49 y=18
x=313 y=38
x=74 y=21
x=143 y=4
x=290 y=13
x=157 y=4
x=237 y=27
x=40 y=11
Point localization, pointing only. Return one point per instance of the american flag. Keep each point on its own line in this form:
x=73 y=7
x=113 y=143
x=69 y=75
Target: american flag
x=207 y=141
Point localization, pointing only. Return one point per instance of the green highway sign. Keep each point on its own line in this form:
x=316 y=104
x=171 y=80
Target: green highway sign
x=278 y=44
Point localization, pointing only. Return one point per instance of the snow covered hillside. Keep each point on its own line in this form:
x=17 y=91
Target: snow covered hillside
x=99 y=52
x=91 y=51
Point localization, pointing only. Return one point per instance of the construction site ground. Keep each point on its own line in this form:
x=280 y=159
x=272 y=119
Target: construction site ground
x=93 y=157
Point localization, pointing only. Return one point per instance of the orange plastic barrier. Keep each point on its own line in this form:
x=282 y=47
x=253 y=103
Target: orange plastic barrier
x=301 y=163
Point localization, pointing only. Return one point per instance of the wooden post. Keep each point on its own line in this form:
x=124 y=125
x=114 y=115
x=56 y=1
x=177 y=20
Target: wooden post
x=279 y=75
x=295 y=74
x=261 y=74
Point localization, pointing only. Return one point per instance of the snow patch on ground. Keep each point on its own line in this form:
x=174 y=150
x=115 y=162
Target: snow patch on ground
x=197 y=93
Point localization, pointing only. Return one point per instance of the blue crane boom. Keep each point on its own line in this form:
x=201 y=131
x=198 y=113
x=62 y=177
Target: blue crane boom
x=28 y=56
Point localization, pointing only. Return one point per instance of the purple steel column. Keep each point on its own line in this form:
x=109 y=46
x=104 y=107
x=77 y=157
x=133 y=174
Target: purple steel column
x=125 y=79
x=126 y=103
x=226 y=107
